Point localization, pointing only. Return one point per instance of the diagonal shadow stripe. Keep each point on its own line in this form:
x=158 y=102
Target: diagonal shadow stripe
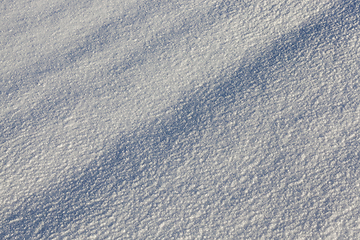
x=142 y=153
x=99 y=39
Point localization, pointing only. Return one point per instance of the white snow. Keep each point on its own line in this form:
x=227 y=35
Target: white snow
x=179 y=119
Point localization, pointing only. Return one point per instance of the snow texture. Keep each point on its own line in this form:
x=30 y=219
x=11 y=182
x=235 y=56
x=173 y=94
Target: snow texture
x=180 y=119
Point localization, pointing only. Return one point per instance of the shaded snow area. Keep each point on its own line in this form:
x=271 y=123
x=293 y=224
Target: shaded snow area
x=160 y=119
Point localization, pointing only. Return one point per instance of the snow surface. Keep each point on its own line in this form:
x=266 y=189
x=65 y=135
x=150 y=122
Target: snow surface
x=179 y=119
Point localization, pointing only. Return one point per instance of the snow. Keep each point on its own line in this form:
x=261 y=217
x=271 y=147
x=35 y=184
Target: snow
x=179 y=120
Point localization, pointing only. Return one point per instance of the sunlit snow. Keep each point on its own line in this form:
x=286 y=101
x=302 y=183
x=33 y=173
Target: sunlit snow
x=180 y=119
